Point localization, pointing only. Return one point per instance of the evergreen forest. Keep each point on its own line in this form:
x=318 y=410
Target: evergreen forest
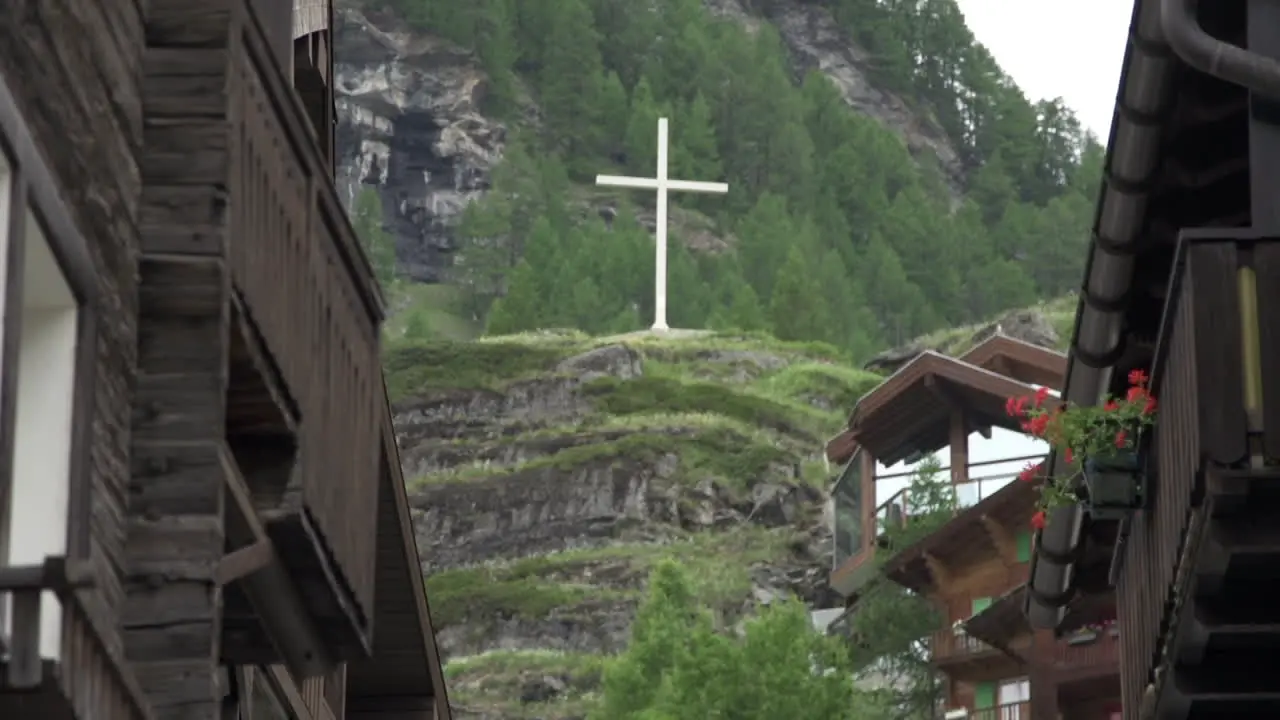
x=836 y=233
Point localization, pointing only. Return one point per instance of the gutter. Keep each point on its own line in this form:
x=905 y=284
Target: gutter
x=1161 y=34
x=1098 y=341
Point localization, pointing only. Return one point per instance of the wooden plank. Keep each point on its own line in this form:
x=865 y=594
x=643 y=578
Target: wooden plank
x=184 y=220
x=1215 y=306
x=179 y=23
x=1266 y=263
x=242 y=562
x=186 y=152
x=182 y=286
x=186 y=82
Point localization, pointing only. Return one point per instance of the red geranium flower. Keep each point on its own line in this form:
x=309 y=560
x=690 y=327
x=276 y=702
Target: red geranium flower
x=1037 y=520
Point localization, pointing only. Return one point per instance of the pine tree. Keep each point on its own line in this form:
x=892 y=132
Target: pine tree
x=798 y=308
x=569 y=79
x=695 y=153
x=366 y=219
x=517 y=311
x=642 y=130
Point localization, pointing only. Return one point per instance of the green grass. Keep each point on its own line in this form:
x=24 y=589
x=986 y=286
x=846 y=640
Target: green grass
x=494 y=680
x=507 y=663
x=417 y=368
x=660 y=390
x=839 y=385
x=729 y=453
x=533 y=587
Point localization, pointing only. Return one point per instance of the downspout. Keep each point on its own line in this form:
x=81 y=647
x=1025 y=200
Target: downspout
x=1234 y=64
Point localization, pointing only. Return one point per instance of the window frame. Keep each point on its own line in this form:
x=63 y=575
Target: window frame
x=32 y=186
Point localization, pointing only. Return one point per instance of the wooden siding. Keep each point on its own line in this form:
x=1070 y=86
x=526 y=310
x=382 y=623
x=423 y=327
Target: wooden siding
x=1145 y=583
x=74 y=69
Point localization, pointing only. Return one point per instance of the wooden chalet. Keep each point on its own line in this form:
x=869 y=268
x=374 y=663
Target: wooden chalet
x=976 y=566
x=932 y=402
x=201 y=508
x=1182 y=282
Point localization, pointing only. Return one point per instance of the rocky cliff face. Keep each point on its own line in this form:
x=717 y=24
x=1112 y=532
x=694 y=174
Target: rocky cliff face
x=410 y=125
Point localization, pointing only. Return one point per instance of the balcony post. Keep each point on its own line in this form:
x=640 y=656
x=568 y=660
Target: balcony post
x=868 y=478
x=1044 y=686
x=959 y=441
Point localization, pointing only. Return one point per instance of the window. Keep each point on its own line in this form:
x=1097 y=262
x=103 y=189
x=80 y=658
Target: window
x=43 y=335
x=1024 y=546
x=1013 y=697
x=848 y=511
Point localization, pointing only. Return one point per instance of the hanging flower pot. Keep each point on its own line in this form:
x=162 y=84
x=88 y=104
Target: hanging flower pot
x=1114 y=485
x=1101 y=440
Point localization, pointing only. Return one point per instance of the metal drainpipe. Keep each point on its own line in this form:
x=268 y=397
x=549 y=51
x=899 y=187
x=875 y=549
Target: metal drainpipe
x=1257 y=73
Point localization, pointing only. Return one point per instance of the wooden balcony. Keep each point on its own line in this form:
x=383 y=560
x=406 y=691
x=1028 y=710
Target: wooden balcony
x=303 y=402
x=1008 y=711
x=968 y=659
x=1087 y=654
x=77 y=676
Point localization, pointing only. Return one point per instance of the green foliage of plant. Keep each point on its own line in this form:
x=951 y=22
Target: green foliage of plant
x=379 y=245
x=678 y=666
x=1081 y=433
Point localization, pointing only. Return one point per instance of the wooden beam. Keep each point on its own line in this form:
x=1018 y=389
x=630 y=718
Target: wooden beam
x=945 y=393
x=1001 y=538
x=942 y=575
x=244 y=561
x=271 y=590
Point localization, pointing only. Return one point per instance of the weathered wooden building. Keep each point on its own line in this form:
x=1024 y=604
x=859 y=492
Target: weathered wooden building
x=201 y=508
x=1181 y=281
x=976 y=565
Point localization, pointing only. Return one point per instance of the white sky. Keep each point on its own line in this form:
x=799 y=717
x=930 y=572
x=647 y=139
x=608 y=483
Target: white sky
x=1058 y=48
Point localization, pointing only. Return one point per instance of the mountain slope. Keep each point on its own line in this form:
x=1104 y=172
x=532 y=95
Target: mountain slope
x=920 y=193
x=550 y=471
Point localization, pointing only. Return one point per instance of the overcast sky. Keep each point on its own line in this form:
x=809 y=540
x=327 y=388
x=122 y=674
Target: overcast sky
x=1052 y=48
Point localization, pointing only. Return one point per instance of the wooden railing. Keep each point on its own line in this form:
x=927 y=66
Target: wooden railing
x=1098 y=647
x=308 y=289
x=91 y=678
x=1008 y=711
x=950 y=643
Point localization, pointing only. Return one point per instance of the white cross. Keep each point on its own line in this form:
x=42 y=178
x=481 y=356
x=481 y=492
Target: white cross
x=662 y=184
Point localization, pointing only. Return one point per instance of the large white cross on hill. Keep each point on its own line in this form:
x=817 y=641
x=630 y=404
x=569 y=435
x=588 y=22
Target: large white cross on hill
x=662 y=184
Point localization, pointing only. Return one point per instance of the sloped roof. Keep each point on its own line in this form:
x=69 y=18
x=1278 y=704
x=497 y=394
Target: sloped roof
x=1019 y=360
x=405 y=663
x=911 y=410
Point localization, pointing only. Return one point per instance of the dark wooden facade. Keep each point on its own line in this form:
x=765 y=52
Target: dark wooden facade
x=238 y=534
x=1181 y=282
